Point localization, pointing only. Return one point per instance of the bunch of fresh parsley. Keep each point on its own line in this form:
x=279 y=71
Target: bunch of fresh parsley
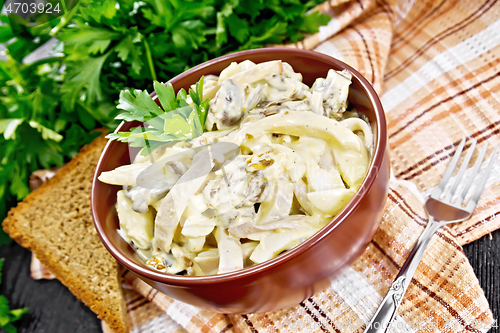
x=115 y=45
x=36 y=130
x=48 y=109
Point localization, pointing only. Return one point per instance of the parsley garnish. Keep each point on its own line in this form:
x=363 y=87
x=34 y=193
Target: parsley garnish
x=177 y=121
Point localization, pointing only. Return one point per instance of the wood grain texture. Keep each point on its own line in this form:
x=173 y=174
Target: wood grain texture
x=484 y=256
x=55 y=310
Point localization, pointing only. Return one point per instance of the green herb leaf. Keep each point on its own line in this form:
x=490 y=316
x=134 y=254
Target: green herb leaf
x=127 y=48
x=47 y=133
x=180 y=126
x=9 y=328
x=82 y=34
x=177 y=121
x=18 y=185
x=238 y=28
x=8 y=127
x=166 y=95
x=88 y=75
x=16 y=314
x=137 y=105
x=4 y=311
x=311 y=22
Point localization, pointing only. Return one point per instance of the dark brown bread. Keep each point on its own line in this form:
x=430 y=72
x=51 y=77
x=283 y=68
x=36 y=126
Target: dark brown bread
x=55 y=223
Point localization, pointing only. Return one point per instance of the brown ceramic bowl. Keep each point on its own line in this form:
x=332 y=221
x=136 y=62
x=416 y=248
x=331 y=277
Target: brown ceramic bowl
x=296 y=274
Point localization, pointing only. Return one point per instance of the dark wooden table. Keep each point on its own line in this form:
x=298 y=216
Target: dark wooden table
x=54 y=309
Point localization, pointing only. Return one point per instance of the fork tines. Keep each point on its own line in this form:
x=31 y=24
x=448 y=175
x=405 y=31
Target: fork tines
x=438 y=190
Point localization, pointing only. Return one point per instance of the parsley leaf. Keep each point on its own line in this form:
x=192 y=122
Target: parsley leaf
x=175 y=122
x=87 y=75
x=36 y=129
x=126 y=48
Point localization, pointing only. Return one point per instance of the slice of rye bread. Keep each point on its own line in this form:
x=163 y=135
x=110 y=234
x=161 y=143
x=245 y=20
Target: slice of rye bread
x=55 y=223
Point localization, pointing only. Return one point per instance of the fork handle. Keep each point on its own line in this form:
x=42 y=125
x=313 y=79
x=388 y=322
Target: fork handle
x=389 y=306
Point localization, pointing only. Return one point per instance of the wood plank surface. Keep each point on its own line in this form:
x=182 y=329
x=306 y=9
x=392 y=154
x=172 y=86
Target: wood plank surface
x=484 y=256
x=55 y=310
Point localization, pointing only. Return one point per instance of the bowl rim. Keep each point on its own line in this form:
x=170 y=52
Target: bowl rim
x=378 y=155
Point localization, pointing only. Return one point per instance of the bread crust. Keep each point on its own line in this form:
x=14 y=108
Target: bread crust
x=27 y=223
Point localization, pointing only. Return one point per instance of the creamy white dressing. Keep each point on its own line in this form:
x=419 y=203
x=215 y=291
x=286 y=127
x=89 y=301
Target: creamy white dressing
x=277 y=161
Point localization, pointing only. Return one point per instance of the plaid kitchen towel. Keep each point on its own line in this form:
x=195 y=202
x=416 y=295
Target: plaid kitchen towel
x=444 y=295
x=435 y=65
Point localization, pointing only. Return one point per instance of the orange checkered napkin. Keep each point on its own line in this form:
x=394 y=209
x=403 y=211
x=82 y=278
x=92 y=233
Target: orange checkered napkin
x=435 y=64
x=444 y=295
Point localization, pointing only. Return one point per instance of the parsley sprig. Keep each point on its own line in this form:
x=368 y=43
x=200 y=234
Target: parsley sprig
x=178 y=120
x=8 y=316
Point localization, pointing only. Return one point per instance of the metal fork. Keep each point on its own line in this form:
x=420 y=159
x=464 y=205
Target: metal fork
x=442 y=210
